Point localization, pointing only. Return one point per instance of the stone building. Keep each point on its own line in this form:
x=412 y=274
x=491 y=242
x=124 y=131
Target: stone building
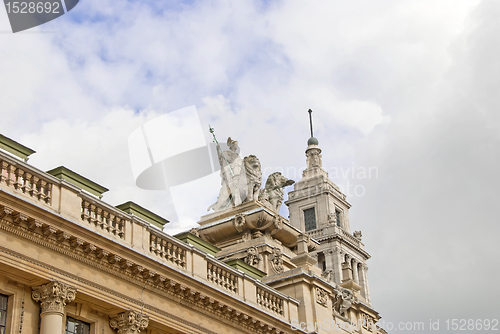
x=72 y=263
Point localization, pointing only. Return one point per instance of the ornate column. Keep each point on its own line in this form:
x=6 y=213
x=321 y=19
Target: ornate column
x=53 y=298
x=129 y=322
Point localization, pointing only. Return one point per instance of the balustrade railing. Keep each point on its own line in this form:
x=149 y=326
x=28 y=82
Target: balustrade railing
x=106 y=220
x=350 y=237
x=222 y=277
x=25 y=181
x=270 y=301
x=167 y=250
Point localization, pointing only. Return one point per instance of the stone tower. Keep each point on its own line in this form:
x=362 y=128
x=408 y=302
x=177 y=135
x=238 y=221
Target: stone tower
x=319 y=208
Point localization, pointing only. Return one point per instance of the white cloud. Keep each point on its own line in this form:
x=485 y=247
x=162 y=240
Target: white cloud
x=409 y=87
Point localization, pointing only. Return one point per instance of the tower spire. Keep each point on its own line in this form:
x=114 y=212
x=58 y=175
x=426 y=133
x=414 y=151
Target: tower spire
x=311 y=121
x=312 y=140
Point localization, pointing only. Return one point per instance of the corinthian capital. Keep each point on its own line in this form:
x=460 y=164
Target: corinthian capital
x=53 y=296
x=129 y=322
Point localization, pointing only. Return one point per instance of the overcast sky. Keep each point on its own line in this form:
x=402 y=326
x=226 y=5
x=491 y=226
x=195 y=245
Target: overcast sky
x=408 y=88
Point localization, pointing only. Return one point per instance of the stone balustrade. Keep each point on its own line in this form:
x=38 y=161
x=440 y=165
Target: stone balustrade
x=168 y=250
x=224 y=278
x=338 y=231
x=24 y=180
x=270 y=300
x=108 y=220
x=349 y=237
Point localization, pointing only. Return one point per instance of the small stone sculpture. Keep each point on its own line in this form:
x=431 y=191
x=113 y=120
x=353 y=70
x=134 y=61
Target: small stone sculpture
x=272 y=194
x=343 y=301
x=253 y=257
x=253 y=177
x=240 y=178
x=276 y=260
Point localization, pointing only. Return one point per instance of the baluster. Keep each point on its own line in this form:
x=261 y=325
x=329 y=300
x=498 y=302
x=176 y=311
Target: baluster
x=34 y=190
x=48 y=193
x=85 y=211
x=4 y=172
x=162 y=246
x=26 y=187
x=41 y=193
x=19 y=178
x=11 y=175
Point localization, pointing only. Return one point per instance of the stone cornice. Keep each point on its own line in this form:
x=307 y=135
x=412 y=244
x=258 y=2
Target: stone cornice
x=112 y=262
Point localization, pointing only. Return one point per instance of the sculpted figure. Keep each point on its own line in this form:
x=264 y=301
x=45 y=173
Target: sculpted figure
x=253 y=257
x=343 y=301
x=231 y=166
x=273 y=191
x=276 y=260
x=253 y=177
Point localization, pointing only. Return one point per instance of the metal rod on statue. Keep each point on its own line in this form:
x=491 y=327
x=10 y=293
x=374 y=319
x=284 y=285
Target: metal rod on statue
x=220 y=150
x=311 y=121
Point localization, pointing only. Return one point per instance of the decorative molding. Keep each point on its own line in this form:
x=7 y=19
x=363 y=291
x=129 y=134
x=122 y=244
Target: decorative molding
x=321 y=296
x=253 y=257
x=239 y=222
x=276 y=260
x=278 y=222
x=53 y=296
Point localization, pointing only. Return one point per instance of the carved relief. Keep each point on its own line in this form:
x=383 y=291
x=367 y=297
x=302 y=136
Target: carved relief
x=239 y=222
x=313 y=158
x=253 y=257
x=53 y=296
x=276 y=260
x=278 y=223
x=321 y=296
x=357 y=235
x=129 y=322
x=343 y=301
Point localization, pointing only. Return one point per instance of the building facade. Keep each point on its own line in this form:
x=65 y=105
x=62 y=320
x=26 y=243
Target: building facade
x=72 y=263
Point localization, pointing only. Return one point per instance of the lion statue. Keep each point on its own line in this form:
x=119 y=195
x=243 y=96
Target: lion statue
x=272 y=194
x=253 y=177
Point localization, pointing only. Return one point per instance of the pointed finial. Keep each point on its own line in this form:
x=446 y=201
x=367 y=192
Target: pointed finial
x=312 y=140
x=311 y=121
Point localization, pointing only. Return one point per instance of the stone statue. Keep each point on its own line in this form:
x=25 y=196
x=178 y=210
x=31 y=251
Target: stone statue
x=343 y=301
x=231 y=166
x=273 y=192
x=253 y=177
x=357 y=235
x=240 y=178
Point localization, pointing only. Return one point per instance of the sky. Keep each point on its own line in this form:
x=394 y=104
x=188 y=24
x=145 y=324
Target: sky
x=407 y=90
